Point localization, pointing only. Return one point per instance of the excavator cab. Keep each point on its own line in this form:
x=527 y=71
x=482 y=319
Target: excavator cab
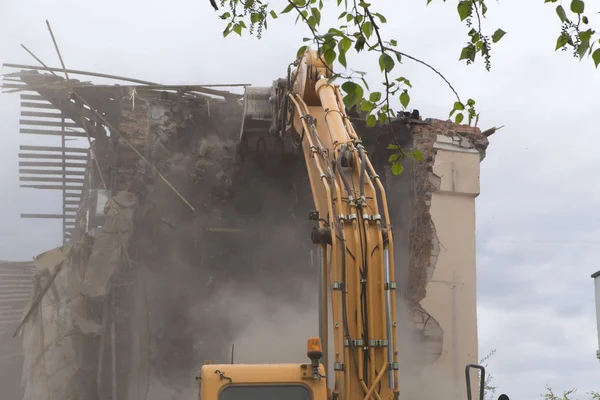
x=266 y=381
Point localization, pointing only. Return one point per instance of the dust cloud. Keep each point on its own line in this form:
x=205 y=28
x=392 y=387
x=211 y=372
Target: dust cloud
x=236 y=272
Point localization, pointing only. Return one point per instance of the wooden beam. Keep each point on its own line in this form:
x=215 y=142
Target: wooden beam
x=55 y=156
x=27 y=104
x=51 y=172
x=51 y=164
x=25 y=96
x=54 y=148
x=49 y=179
x=52 y=216
x=28 y=131
x=54 y=187
x=48 y=123
x=40 y=114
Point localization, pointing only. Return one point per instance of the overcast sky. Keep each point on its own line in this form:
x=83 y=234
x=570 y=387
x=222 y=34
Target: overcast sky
x=538 y=232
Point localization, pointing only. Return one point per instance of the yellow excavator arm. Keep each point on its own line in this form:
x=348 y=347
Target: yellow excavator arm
x=352 y=235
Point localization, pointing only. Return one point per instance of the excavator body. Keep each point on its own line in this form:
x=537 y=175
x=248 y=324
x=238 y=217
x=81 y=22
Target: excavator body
x=304 y=115
x=262 y=381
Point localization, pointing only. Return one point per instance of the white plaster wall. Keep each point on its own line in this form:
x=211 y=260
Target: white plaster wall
x=451 y=293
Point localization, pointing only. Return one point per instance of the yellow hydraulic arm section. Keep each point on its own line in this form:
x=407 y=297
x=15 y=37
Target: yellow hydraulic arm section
x=354 y=239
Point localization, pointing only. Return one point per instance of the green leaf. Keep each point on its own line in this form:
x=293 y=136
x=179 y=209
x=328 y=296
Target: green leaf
x=371 y=121
x=237 y=29
x=498 y=35
x=345 y=44
x=398 y=56
x=577 y=6
x=393 y=43
x=471 y=102
x=393 y=157
x=273 y=14
x=301 y=51
x=342 y=15
x=458 y=106
x=392 y=147
x=316 y=14
x=585 y=36
x=381 y=18
x=342 y=59
x=596 y=57
x=562 y=41
x=367 y=106
x=405 y=81
x=330 y=56
x=397 y=168
x=360 y=44
x=286 y=10
x=242 y=24
x=225 y=16
x=468 y=52
x=383 y=117
x=365 y=83
x=386 y=63
x=459 y=118
x=375 y=97
x=349 y=18
x=584 y=46
x=585 y=20
x=367 y=29
x=404 y=99
x=561 y=13
x=354 y=94
x=465 y=8
x=417 y=155
x=299 y=3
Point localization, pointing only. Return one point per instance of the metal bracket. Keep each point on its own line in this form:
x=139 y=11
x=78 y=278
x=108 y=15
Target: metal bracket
x=338 y=366
x=378 y=343
x=390 y=285
x=393 y=366
x=336 y=286
x=354 y=343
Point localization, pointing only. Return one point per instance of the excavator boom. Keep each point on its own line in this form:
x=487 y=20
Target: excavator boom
x=352 y=233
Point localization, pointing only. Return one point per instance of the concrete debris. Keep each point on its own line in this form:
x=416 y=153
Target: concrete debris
x=109 y=246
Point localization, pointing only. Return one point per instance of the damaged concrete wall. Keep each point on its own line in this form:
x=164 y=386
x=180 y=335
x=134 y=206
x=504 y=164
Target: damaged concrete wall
x=442 y=276
x=161 y=288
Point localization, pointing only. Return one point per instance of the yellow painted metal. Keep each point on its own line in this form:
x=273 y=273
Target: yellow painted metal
x=356 y=274
x=328 y=133
x=214 y=377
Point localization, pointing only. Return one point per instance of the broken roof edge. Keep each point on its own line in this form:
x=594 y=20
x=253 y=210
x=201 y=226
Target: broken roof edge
x=61 y=82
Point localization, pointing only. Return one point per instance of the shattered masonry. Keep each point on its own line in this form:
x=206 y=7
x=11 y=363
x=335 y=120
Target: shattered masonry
x=143 y=284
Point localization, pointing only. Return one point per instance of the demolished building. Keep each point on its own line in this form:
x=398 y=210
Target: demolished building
x=177 y=247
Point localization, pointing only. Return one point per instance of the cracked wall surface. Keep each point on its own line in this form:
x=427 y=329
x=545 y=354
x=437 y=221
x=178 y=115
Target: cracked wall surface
x=442 y=294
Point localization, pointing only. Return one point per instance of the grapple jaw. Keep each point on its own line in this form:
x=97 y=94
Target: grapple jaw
x=266 y=116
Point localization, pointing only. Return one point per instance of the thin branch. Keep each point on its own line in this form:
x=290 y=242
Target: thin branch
x=428 y=66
